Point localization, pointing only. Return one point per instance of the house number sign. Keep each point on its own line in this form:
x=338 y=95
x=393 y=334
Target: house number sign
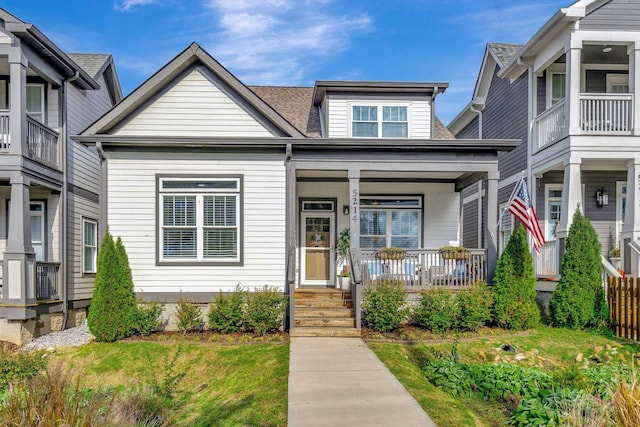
x=355 y=204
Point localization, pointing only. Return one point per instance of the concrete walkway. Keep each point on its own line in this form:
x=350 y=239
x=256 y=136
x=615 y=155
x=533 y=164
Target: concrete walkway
x=341 y=382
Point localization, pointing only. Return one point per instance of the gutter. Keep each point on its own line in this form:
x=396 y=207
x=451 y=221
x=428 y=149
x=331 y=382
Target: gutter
x=65 y=195
x=479 y=113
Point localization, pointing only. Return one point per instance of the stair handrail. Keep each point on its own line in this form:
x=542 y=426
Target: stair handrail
x=355 y=279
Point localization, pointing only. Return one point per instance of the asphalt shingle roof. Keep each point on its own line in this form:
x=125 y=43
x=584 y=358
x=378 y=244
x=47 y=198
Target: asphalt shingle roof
x=90 y=62
x=505 y=51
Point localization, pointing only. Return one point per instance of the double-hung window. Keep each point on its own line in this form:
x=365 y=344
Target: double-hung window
x=388 y=221
x=367 y=122
x=89 y=245
x=554 y=205
x=35 y=101
x=200 y=219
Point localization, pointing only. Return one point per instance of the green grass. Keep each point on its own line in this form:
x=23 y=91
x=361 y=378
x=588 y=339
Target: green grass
x=223 y=385
x=550 y=348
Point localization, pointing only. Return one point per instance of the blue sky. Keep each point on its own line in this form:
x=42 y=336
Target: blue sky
x=296 y=42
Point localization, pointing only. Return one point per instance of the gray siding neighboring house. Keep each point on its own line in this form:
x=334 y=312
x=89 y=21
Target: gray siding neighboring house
x=50 y=184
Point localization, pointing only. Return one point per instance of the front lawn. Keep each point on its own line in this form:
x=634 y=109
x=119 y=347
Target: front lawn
x=238 y=384
x=564 y=354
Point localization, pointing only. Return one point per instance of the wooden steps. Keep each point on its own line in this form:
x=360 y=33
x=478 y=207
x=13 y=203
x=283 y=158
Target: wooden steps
x=323 y=313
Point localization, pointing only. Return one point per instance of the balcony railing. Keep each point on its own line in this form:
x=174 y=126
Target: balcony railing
x=551 y=126
x=47 y=280
x=42 y=143
x=606 y=114
x=425 y=268
x=546 y=263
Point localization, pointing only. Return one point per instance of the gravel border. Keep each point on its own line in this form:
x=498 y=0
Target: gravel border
x=71 y=337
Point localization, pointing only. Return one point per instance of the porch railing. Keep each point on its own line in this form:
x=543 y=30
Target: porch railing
x=425 y=268
x=546 y=263
x=606 y=114
x=5 y=137
x=42 y=143
x=47 y=280
x=551 y=126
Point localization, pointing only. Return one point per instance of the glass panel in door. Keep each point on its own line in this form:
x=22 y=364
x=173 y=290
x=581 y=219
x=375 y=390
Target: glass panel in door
x=317 y=259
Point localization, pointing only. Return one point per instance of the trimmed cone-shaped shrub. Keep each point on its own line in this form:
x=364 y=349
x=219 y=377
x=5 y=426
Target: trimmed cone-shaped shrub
x=514 y=285
x=579 y=301
x=113 y=306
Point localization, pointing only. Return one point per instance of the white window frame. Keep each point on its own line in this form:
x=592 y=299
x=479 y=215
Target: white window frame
x=620 y=207
x=200 y=194
x=547 y=200
x=615 y=79
x=42 y=103
x=389 y=210
x=94 y=247
x=555 y=69
x=380 y=112
x=506 y=228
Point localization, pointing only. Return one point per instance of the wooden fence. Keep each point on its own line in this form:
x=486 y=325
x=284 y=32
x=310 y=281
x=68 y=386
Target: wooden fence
x=623 y=296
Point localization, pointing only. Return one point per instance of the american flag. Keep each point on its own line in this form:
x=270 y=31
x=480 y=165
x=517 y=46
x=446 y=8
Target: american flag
x=522 y=209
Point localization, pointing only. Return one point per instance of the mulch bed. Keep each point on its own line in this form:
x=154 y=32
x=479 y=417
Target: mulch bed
x=211 y=337
x=413 y=334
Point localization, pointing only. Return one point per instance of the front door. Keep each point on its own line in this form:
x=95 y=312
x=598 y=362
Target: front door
x=317 y=243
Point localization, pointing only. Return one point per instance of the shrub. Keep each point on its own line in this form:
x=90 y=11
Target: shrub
x=474 y=307
x=385 y=305
x=264 y=310
x=17 y=365
x=113 y=306
x=578 y=301
x=225 y=316
x=147 y=318
x=436 y=311
x=188 y=315
x=514 y=285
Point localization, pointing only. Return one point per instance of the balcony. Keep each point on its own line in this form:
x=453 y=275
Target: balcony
x=42 y=142
x=600 y=114
x=47 y=280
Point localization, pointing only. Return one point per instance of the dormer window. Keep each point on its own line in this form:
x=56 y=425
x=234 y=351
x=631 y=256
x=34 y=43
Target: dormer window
x=366 y=122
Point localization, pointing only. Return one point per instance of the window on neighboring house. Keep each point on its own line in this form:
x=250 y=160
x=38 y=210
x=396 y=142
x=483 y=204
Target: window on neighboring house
x=200 y=219
x=617 y=83
x=506 y=228
x=35 y=101
x=390 y=222
x=89 y=245
x=37 y=223
x=553 y=195
x=558 y=87
x=367 y=123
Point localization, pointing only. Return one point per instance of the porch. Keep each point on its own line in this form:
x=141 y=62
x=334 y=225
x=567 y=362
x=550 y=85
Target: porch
x=42 y=142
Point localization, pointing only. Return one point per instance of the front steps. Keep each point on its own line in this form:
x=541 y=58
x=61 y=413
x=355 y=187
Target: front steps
x=323 y=313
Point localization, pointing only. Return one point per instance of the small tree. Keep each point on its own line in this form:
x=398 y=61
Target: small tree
x=579 y=299
x=113 y=306
x=514 y=285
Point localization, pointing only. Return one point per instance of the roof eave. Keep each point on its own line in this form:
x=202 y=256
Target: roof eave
x=323 y=86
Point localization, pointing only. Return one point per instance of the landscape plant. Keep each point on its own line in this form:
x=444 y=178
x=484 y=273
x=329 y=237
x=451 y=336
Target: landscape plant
x=147 y=318
x=112 y=313
x=474 y=307
x=225 y=315
x=514 y=285
x=437 y=310
x=385 y=306
x=17 y=366
x=264 y=310
x=579 y=299
x=188 y=315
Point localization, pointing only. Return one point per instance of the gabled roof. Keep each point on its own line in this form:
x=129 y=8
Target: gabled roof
x=33 y=37
x=495 y=54
x=98 y=64
x=557 y=23
x=191 y=55
x=322 y=87
x=294 y=104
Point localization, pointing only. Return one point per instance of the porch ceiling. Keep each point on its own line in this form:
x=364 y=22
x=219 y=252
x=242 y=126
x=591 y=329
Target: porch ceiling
x=368 y=175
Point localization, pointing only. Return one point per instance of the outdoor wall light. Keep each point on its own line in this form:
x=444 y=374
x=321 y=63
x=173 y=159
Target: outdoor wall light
x=602 y=198
x=345 y=209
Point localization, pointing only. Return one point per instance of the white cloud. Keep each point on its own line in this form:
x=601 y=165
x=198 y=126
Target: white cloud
x=126 y=5
x=273 y=41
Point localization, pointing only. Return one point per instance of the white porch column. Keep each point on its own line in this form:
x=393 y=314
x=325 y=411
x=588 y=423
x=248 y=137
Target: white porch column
x=354 y=207
x=634 y=84
x=571 y=200
x=19 y=257
x=17 y=100
x=631 y=225
x=491 y=215
x=572 y=106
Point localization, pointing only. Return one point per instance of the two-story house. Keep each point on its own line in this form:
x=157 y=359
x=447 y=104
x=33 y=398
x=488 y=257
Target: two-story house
x=49 y=185
x=572 y=90
x=212 y=184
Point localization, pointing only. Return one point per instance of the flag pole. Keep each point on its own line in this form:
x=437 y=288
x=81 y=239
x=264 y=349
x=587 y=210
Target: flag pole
x=513 y=193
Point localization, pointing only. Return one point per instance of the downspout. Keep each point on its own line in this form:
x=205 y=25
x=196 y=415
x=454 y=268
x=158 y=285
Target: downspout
x=64 y=202
x=479 y=189
x=433 y=111
x=289 y=256
x=479 y=113
x=532 y=102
